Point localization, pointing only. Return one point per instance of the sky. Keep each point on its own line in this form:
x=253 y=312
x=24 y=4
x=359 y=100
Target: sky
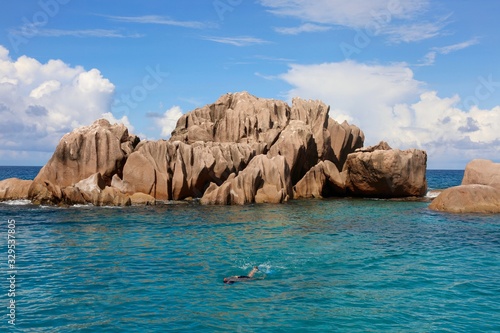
x=415 y=73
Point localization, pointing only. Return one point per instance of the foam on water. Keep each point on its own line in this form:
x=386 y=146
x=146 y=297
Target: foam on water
x=431 y=194
x=17 y=202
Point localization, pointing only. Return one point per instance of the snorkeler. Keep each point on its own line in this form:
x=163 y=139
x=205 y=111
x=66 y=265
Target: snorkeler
x=233 y=279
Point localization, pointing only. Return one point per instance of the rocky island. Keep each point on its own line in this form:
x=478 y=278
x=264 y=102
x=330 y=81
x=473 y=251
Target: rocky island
x=241 y=149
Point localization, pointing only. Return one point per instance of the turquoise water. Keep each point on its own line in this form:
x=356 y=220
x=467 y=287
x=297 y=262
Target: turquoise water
x=344 y=265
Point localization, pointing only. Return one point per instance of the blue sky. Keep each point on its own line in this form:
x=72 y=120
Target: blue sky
x=416 y=73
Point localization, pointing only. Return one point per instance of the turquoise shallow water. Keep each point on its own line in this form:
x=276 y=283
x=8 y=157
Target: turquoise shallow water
x=344 y=265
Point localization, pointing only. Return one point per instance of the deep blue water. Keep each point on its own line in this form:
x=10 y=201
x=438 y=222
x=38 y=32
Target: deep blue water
x=21 y=172
x=341 y=265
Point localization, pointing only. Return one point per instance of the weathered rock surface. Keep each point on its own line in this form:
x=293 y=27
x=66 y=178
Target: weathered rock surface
x=321 y=181
x=472 y=198
x=387 y=173
x=296 y=143
x=86 y=151
x=479 y=192
x=239 y=118
x=14 y=189
x=264 y=180
x=240 y=149
x=141 y=199
x=483 y=172
x=344 y=139
x=44 y=193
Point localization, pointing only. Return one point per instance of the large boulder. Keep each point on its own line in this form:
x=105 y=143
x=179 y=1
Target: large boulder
x=472 y=198
x=98 y=148
x=264 y=180
x=321 y=181
x=482 y=172
x=386 y=173
x=14 y=189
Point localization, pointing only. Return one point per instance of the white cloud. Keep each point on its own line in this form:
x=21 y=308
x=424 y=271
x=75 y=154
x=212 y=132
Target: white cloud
x=430 y=57
x=457 y=47
x=162 y=20
x=414 y=32
x=123 y=120
x=354 y=13
x=46 y=88
x=236 y=41
x=100 y=33
x=388 y=103
x=307 y=27
x=41 y=102
x=349 y=86
x=401 y=20
x=168 y=120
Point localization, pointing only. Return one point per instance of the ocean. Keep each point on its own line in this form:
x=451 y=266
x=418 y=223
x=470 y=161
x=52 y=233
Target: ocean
x=332 y=265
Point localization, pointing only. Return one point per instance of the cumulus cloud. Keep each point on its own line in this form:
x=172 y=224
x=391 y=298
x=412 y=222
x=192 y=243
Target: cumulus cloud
x=123 y=120
x=401 y=20
x=388 y=103
x=168 y=120
x=349 y=86
x=41 y=102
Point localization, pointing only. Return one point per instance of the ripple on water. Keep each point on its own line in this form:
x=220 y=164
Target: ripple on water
x=328 y=265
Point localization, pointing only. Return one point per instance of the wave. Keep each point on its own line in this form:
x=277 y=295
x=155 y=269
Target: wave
x=17 y=202
x=433 y=193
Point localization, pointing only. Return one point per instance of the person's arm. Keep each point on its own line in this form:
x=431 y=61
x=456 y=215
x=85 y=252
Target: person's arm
x=254 y=270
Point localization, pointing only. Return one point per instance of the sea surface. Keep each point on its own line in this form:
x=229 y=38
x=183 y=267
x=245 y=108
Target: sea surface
x=336 y=265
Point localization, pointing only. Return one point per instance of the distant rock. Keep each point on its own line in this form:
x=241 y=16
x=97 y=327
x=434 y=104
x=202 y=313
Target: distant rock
x=386 y=173
x=479 y=192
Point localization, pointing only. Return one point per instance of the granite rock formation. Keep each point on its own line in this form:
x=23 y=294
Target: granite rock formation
x=479 y=192
x=240 y=149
